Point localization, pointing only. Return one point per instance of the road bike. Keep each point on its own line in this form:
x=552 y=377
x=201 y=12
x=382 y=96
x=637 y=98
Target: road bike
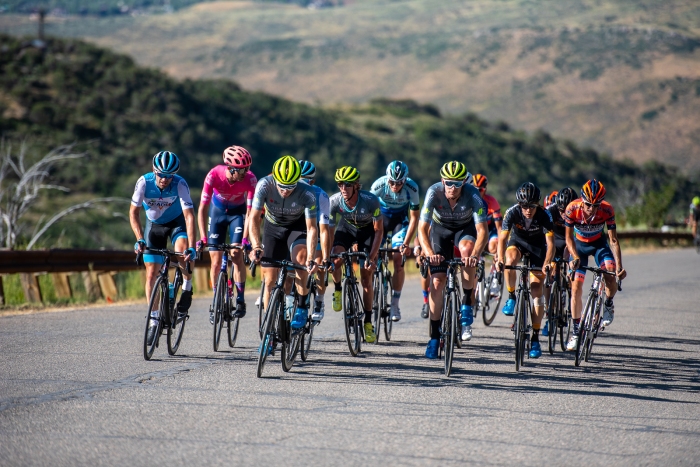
x=277 y=317
x=222 y=306
x=383 y=291
x=559 y=320
x=590 y=319
x=489 y=291
x=164 y=296
x=353 y=306
x=308 y=329
x=523 y=309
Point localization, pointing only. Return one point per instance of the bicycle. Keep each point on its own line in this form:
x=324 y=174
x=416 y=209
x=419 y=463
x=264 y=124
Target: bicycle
x=489 y=292
x=221 y=304
x=590 y=320
x=308 y=328
x=353 y=306
x=559 y=306
x=523 y=308
x=277 y=326
x=383 y=292
x=165 y=295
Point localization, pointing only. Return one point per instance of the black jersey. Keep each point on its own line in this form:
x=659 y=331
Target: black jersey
x=531 y=231
x=559 y=224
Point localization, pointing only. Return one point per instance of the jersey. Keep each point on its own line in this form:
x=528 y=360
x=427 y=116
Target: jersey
x=469 y=207
x=162 y=206
x=559 y=224
x=694 y=212
x=284 y=211
x=322 y=201
x=393 y=203
x=365 y=212
x=225 y=195
x=493 y=212
x=589 y=230
x=531 y=231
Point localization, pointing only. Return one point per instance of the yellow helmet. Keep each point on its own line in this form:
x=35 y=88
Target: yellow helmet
x=286 y=170
x=347 y=174
x=453 y=171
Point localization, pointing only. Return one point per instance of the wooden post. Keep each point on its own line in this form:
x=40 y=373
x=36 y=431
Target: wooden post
x=2 y=293
x=61 y=284
x=201 y=279
x=107 y=286
x=30 y=287
x=91 y=285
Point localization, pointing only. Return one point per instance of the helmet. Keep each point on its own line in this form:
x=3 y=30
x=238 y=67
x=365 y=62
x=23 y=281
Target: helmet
x=593 y=192
x=238 y=157
x=565 y=196
x=347 y=174
x=286 y=170
x=308 y=169
x=551 y=198
x=469 y=179
x=453 y=171
x=696 y=201
x=397 y=171
x=166 y=162
x=528 y=193
x=480 y=181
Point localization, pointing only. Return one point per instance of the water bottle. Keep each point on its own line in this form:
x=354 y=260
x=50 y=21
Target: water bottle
x=171 y=292
x=288 y=306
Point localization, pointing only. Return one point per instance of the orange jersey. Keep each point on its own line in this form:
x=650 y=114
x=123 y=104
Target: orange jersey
x=589 y=230
x=494 y=209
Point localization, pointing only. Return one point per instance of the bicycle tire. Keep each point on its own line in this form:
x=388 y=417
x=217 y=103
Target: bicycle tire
x=175 y=330
x=595 y=323
x=386 y=304
x=495 y=302
x=521 y=309
x=159 y=291
x=269 y=330
x=220 y=309
x=377 y=303
x=451 y=310
x=290 y=348
x=233 y=331
x=260 y=308
x=352 y=332
x=553 y=310
x=583 y=330
x=457 y=304
x=308 y=335
x=566 y=295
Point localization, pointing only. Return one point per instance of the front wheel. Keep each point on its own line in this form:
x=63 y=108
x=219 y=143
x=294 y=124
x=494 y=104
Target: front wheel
x=520 y=330
x=158 y=296
x=584 y=331
x=449 y=330
x=494 y=286
x=177 y=326
x=377 y=304
x=220 y=308
x=269 y=327
x=350 y=315
x=386 y=305
x=553 y=313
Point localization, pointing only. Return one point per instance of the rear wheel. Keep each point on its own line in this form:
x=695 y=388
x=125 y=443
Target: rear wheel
x=260 y=308
x=220 y=308
x=520 y=330
x=177 y=326
x=233 y=331
x=595 y=323
x=494 y=285
x=553 y=311
x=449 y=329
x=269 y=326
x=386 y=305
x=377 y=304
x=158 y=294
x=350 y=315
x=564 y=336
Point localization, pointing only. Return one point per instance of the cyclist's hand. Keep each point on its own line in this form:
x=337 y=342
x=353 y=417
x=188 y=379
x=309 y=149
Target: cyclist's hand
x=574 y=264
x=500 y=266
x=417 y=250
x=189 y=254
x=403 y=248
x=311 y=266
x=435 y=260
x=328 y=265
x=545 y=269
x=201 y=244
x=621 y=274
x=369 y=264
x=140 y=246
x=246 y=245
x=470 y=261
x=255 y=254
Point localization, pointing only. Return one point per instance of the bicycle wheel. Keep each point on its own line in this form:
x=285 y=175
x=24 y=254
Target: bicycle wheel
x=495 y=294
x=352 y=329
x=553 y=316
x=456 y=304
x=450 y=312
x=520 y=323
x=308 y=334
x=220 y=309
x=584 y=330
x=595 y=323
x=158 y=293
x=232 y=330
x=386 y=305
x=568 y=319
x=177 y=326
x=260 y=308
x=290 y=347
x=270 y=325
x=377 y=305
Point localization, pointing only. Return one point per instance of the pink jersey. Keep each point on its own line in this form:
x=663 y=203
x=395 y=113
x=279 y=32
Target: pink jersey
x=225 y=195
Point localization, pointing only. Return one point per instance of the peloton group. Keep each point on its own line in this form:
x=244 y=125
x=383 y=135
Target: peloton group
x=458 y=218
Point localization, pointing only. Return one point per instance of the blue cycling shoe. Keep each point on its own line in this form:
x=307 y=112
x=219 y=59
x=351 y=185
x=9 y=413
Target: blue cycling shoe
x=509 y=307
x=300 y=316
x=535 y=350
x=545 y=330
x=467 y=315
x=432 y=350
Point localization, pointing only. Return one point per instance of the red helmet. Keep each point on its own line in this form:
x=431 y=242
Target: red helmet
x=551 y=198
x=237 y=157
x=593 y=192
x=480 y=181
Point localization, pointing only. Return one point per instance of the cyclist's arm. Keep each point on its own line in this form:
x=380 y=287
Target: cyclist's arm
x=570 y=243
x=325 y=234
x=135 y=221
x=378 y=237
x=502 y=240
x=246 y=222
x=412 y=226
x=255 y=219
x=615 y=248
x=202 y=215
x=424 y=238
x=311 y=237
x=551 y=249
x=482 y=239
x=499 y=225
x=189 y=222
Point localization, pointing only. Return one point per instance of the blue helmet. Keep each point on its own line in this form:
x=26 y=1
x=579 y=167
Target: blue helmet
x=397 y=171
x=308 y=169
x=166 y=162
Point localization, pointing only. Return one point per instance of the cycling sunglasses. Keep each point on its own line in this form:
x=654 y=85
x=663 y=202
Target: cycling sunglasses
x=453 y=183
x=345 y=185
x=591 y=205
x=165 y=176
x=393 y=183
x=527 y=206
x=235 y=170
x=286 y=187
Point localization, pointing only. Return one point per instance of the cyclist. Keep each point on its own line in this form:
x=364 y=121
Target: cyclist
x=453 y=214
x=585 y=220
x=424 y=281
x=695 y=216
x=494 y=218
x=227 y=196
x=169 y=214
x=564 y=197
x=323 y=249
x=361 y=223
x=400 y=205
x=291 y=230
x=551 y=199
x=527 y=229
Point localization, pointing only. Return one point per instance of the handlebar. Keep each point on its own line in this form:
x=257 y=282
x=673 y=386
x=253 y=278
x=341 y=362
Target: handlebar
x=603 y=271
x=394 y=250
x=139 y=256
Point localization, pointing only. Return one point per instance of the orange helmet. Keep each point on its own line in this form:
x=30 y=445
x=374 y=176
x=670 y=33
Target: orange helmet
x=551 y=198
x=480 y=181
x=593 y=192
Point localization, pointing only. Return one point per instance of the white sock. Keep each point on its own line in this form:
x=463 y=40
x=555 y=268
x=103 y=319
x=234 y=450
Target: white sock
x=154 y=314
x=187 y=285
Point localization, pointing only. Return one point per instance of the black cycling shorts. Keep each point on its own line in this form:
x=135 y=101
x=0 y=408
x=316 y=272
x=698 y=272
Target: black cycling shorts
x=157 y=235
x=222 y=220
x=444 y=240
x=278 y=240
x=536 y=252
x=346 y=236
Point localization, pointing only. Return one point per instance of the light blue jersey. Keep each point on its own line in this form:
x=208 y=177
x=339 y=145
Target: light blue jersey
x=162 y=206
x=394 y=203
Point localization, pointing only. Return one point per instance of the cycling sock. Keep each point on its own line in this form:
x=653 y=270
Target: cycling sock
x=368 y=316
x=435 y=329
x=426 y=294
x=187 y=285
x=467 y=297
x=535 y=335
x=511 y=295
x=609 y=302
x=240 y=290
x=395 y=298
x=303 y=300
x=577 y=322
x=511 y=291
x=338 y=287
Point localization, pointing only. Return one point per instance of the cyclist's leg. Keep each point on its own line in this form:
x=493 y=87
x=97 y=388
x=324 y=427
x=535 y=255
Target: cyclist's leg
x=365 y=238
x=605 y=260
x=512 y=257
x=442 y=243
x=493 y=239
x=582 y=251
x=216 y=235
x=274 y=243
x=156 y=236
x=537 y=313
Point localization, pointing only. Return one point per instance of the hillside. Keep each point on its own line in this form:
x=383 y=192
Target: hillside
x=125 y=113
x=620 y=76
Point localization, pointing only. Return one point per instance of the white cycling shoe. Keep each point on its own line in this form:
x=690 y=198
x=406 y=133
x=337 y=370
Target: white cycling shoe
x=466 y=333
x=573 y=342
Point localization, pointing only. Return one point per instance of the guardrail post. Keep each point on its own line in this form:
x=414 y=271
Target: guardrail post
x=2 y=293
x=107 y=286
x=91 y=284
x=201 y=279
x=30 y=287
x=61 y=284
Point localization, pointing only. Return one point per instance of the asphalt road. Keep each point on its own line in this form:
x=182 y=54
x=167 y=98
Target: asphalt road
x=75 y=390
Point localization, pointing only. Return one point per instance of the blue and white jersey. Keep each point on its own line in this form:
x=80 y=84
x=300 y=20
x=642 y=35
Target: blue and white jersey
x=324 y=206
x=393 y=203
x=162 y=206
